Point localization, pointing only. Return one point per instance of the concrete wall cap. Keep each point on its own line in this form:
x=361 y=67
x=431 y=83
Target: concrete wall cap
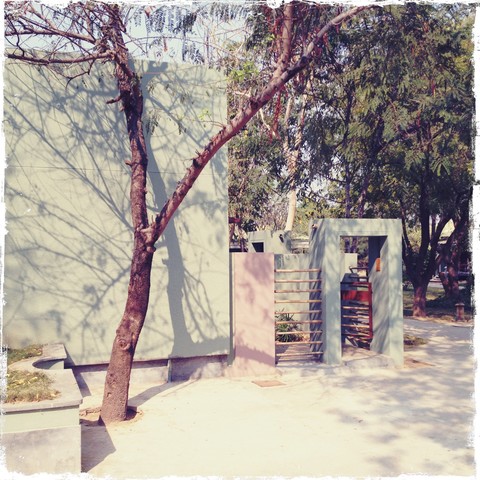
x=51 y=351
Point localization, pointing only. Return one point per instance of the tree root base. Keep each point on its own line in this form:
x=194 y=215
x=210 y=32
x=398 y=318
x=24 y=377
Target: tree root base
x=90 y=417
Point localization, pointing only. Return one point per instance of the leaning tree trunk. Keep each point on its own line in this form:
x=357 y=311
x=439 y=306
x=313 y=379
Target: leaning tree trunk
x=114 y=406
x=117 y=382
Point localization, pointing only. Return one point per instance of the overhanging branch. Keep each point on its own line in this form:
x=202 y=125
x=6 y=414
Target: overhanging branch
x=280 y=77
x=58 y=61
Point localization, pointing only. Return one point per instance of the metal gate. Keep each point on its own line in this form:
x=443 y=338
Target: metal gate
x=357 y=325
x=298 y=328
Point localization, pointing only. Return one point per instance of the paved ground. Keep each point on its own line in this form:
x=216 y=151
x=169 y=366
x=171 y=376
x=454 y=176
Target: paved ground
x=357 y=423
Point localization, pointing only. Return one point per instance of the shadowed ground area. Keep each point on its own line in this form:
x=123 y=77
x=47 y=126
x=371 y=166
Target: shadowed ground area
x=366 y=421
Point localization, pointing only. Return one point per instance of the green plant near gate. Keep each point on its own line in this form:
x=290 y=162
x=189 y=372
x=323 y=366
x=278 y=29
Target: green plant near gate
x=287 y=332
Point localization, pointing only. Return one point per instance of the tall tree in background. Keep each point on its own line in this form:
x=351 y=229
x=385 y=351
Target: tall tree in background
x=80 y=34
x=434 y=159
x=254 y=155
x=282 y=121
x=292 y=131
x=396 y=137
x=387 y=130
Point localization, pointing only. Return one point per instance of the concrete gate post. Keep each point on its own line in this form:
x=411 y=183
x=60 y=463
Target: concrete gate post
x=385 y=274
x=253 y=321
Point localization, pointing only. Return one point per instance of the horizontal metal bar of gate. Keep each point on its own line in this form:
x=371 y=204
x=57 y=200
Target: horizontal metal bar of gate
x=301 y=332
x=301 y=270
x=300 y=342
x=310 y=290
x=356 y=325
x=299 y=311
x=298 y=301
x=291 y=322
x=307 y=280
x=298 y=354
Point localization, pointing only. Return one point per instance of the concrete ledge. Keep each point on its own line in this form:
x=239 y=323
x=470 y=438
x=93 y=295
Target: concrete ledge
x=353 y=360
x=44 y=436
x=50 y=450
x=53 y=357
x=91 y=378
x=195 y=368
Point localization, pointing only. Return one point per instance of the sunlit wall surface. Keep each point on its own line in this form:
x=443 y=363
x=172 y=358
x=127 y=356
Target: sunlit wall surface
x=69 y=241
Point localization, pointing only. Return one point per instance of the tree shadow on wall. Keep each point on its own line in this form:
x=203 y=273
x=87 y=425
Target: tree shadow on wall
x=189 y=252
x=69 y=234
x=68 y=249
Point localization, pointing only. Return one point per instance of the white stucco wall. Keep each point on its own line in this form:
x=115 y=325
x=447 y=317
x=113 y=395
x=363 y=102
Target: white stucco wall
x=67 y=252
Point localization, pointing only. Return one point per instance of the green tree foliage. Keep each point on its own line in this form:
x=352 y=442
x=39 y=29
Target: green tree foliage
x=430 y=169
x=251 y=184
x=279 y=125
x=390 y=132
x=254 y=154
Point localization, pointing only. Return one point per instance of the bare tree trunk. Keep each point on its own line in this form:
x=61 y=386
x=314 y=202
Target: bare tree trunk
x=449 y=254
x=117 y=382
x=289 y=154
x=231 y=233
x=292 y=208
x=114 y=406
x=450 y=283
x=420 y=300
x=421 y=265
x=348 y=195
x=293 y=156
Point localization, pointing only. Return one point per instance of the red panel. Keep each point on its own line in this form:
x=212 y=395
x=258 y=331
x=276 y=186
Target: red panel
x=358 y=295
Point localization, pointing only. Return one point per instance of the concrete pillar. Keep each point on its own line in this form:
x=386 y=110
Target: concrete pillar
x=325 y=253
x=253 y=317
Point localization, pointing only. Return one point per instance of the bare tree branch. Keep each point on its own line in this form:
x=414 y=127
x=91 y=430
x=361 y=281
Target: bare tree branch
x=59 y=61
x=281 y=76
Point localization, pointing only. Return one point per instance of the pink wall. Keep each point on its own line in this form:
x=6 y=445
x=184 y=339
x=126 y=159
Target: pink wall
x=253 y=317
